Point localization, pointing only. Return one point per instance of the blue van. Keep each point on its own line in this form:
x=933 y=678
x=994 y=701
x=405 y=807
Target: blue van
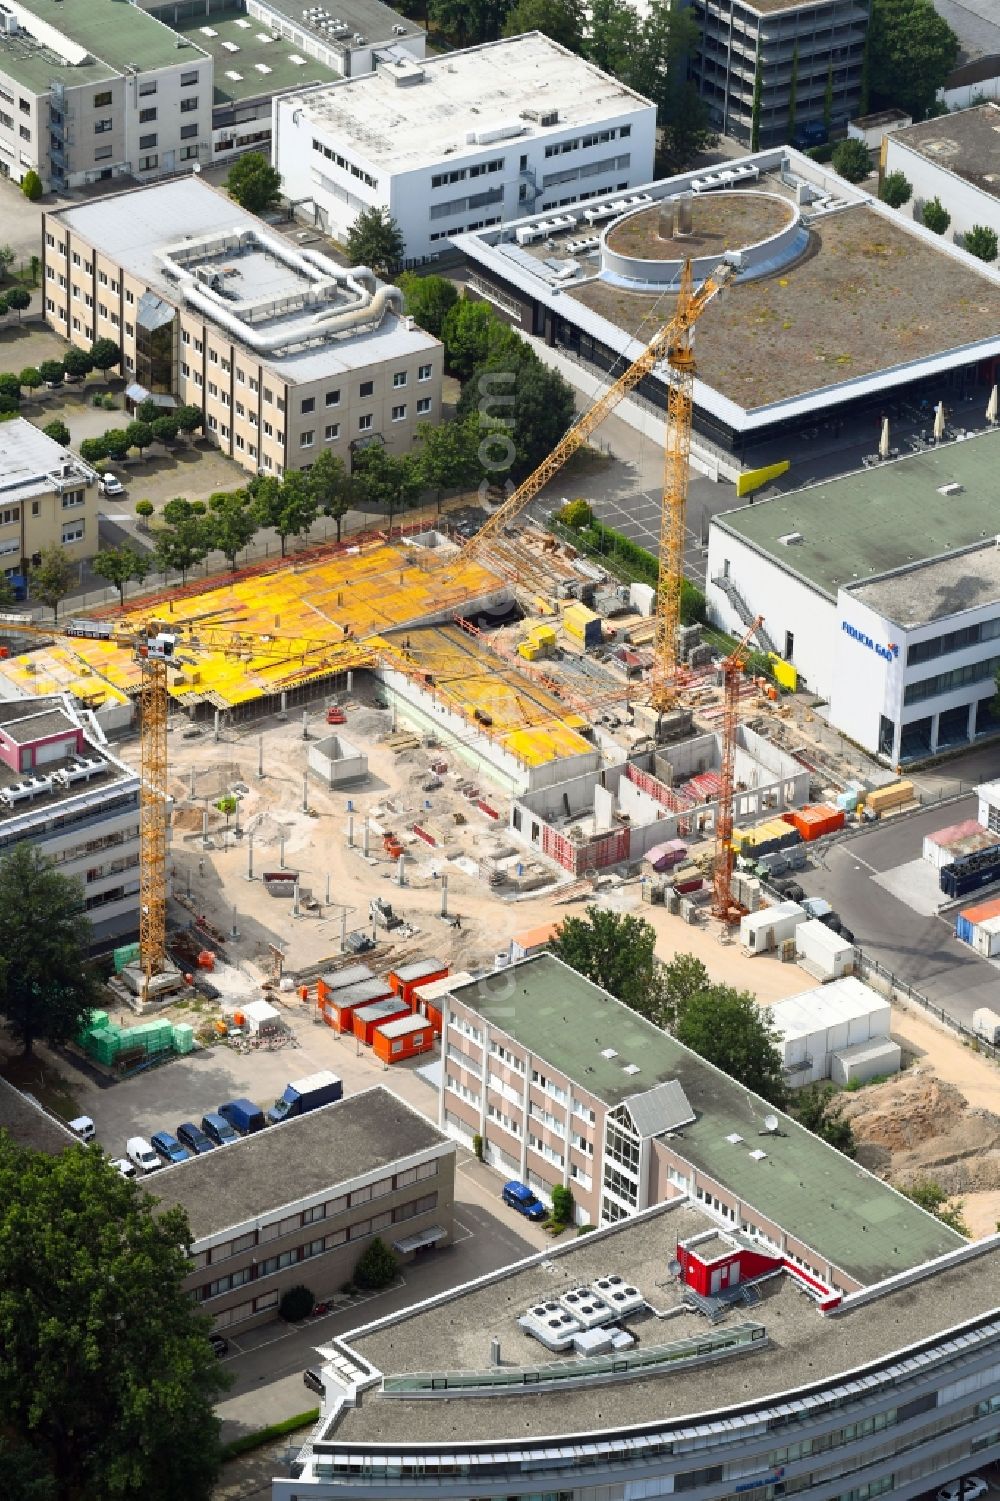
x=520 y=1197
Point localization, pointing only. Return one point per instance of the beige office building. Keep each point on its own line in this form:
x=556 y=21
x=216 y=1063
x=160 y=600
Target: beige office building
x=48 y=498
x=285 y=352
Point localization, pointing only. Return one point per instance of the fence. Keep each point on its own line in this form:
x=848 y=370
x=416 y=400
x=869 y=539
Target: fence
x=894 y=988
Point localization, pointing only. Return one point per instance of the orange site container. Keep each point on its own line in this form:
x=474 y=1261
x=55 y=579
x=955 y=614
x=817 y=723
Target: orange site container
x=815 y=820
x=405 y=1037
x=367 y=1018
x=338 y=1006
x=405 y=980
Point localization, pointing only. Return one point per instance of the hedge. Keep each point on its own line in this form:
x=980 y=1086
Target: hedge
x=634 y=561
x=263 y=1436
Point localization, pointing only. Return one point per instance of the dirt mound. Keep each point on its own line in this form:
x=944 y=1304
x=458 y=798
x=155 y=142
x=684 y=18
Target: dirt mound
x=917 y=1127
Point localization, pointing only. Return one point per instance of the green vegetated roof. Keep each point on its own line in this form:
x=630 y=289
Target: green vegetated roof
x=811 y=1190
x=887 y=517
x=114 y=33
x=274 y=53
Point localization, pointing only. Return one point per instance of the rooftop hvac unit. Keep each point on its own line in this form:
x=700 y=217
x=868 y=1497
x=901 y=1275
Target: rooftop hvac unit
x=81 y=769
x=549 y=117
x=358 y=39
x=399 y=31
x=619 y=1294
x=550 y=1324
x=586 y=1307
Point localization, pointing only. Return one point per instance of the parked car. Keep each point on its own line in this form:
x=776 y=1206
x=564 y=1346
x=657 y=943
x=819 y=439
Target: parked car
x=138 y=1150
x=110 y=484
x=83 y=1127
x=168 y=1147
x=968 y=1489
x=219 y=1344
x=520 y=1197
x=193 y=1138
x=314 y=1381
x=123 y=1165
x=218 y=1129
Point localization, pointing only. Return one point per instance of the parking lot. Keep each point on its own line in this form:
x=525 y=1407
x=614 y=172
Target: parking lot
x=880 y=895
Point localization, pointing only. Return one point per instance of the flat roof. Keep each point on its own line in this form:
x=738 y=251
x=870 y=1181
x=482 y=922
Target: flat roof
x=28 y=1125
x=966 y=143
x=132 y=227
x=293 y=1160
x=241 y=75
x=813 y=1191
x=369 y=18
x=805 y=1347
x=100 y=39
x=937 y=590
x=878 y=519
x=400 y=127
x=31 y=461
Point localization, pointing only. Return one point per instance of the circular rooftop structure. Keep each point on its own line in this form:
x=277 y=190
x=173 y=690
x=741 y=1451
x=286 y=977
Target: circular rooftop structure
x=757 y=231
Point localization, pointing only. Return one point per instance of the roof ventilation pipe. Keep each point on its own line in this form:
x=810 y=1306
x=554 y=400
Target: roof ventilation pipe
x=301 y=330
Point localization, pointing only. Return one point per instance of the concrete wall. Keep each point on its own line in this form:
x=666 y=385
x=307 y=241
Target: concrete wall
x=966 y=203
x=337 y=761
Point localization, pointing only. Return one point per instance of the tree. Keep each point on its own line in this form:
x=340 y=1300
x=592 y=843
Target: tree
x=852 y=160
x=190 y=419
x=116 y=444
x=376 y=240
x=376 y=1266
x=119 y=565
x=896 y=190
x=828 y=100
x=465 y=333
x=146 y=411
x=755 y=106
x=52 y=372
x=616 y=951
x=108 y=1377
x=105 y=354
x=93 y=450
x=811 y=1106
x=231 y=523
x=7 y=259
x=683 y=976
x=10 y=385
x=297 y=1303
x=253 y=183
x=561 y=20
x=936 y=218
x=47 y=988
x=288 y=505
x=139 y=435
x=656 y=64
x=51 y=578
x=18 y=298
x=386 y=480
x=185 y=539
x=911 y=52
x=31 y=185
x=932 y=1197
x=729 y=1029
x=4 y=306
x=77 y=363
x=428 y=298
x=165 y=428
x=334 y=490
x=562 y=1205
x=448 y=457
x=981 y=241
x=521 y=409
x=57 y=431
x=614 y=27
x=469 y=22
x=30 y=378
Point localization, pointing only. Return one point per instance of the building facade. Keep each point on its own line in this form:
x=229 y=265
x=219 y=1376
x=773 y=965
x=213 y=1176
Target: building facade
x=48 y=498
x=98 y=91
x=456 y=143
x=956 y=159
x=809 y=56
x=63 y=791
x=337 y=365
x=300 y=1202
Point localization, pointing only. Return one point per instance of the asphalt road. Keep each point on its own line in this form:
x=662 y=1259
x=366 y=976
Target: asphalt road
x=923 y=951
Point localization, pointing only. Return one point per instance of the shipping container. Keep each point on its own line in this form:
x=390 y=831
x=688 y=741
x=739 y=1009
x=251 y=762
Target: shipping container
x=764 y=930
x=582 y=625
x=986 y=1024
x=404 y=980
x=403 y=1038
x=367 y=1018
x=822 y=952
x=986 y=938
x=864 y=1061
x=971 y=872
x=815 y=820
x=341 y=979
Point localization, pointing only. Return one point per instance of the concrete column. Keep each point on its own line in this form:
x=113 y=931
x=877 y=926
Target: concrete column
x=215 y=732
x=343 y=931
x=350 y=831
x=971 y=730
x=569 y=1134
x=350 y=682
x=281 y=850
x=295 y=899
x=935 y=724
x=204 y=828
x=192 y=782
x=401 y=870
x=444 y=896
x=260 y=758
x=328 y=888
x=234 y=931
x=250 y=858
x=364 y=838
x=305 y=792
x=284 y=701
x=305 y=724
x=442 y=1091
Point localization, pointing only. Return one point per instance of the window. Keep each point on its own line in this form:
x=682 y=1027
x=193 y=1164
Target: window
x=100 y=126
x=102 y=277
x=73 y=531
x=187 y=105
x=307 y=439
x=423 y=406
x=25 y=133
x=147 y=116
x=102 y=309
x=187 y=79
x=102 y=100
x=332 y=398
x=268 y=430
x=425 y=372
x=308 y=405
x=147 y=87
x=365 y=423
x=332 y=431
x=398 y=379
x=367 y=388
x=147 y=142
x=241 y=410
x=129 y=329
x=147 y=163
x=398 y=413
x=268 y=397
x=213 y=358
x=213 y=389
x=188 y=153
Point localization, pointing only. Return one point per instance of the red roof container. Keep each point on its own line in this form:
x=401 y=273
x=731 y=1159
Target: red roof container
x=983 y=911
x=403 y=981
x=367 y=1018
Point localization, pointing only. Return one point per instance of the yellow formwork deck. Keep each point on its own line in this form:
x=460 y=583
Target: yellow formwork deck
x=353 y=596
x=59 y=669
x=523 y=717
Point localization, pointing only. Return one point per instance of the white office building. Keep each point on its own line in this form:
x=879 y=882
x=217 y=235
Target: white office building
x=883 y=588
x=956 y=159
x=459 y=142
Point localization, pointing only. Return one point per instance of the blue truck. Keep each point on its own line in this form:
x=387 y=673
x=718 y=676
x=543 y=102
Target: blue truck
x=243 y=1115
x=303 y=1095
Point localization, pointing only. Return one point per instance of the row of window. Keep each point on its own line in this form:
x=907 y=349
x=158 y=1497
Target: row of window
x=464 y=229
x=960 y=640
x=344 y=165
x=459 y=174
x=947 y=682
x=578 y=143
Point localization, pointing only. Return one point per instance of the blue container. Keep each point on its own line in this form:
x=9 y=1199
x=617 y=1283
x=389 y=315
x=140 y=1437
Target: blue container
x=963 y=929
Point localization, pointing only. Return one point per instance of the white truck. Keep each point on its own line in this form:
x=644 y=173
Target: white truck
x=986 y=1024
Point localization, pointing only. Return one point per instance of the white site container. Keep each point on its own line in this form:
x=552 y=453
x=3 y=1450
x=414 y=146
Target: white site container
x=866 y=1060
x=833 y=1018
x=986 y=937
x=822 y=952
x=985 y=1023
x=764 y=930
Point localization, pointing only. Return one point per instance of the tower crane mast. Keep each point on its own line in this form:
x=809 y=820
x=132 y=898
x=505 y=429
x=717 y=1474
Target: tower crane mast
x=723 y=905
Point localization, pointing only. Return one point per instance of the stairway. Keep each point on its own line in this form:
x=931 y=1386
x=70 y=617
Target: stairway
x=743 y=610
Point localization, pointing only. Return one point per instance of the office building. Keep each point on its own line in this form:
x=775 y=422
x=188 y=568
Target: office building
x=956 y=159
x=463 y=141
x=285 y=352
x=48 y=498
x=96 y=90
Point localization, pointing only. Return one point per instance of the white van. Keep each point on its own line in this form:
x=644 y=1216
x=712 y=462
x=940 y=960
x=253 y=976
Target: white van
x=138 y=1150
x=83 y=1127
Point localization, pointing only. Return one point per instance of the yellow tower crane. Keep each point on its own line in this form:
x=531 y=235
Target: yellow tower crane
x=673 y=343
